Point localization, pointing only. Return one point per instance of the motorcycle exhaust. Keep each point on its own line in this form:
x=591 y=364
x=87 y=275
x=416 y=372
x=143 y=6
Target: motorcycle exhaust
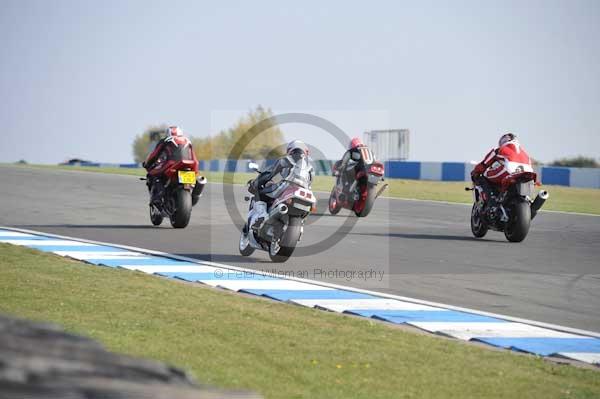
x=273 y=214
x=265 y=227
x=198 y=188
x=538 y=202
x=279 y=210
x=381 y=190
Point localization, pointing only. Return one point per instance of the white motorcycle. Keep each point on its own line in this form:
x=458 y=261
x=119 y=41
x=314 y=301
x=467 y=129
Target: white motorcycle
x=278 y=228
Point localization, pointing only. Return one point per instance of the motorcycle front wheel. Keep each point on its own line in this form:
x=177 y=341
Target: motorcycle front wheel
x=478 y=226
x=156 y=216
x=245 y=248
x=334 y=204
x=280 y=251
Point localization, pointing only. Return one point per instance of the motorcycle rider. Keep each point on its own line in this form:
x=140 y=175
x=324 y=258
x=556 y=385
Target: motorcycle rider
x=508 y=158
x=357 y=152
x=267 y=183
x=170 y=149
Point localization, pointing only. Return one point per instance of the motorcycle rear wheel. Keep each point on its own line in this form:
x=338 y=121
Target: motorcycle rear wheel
x=520 y=219
x=183 y=209
x=369 y=201
x=288 y=241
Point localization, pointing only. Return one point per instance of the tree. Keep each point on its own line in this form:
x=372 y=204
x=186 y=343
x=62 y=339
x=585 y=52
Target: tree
x=144 y=143
x=203 y=147
x=577 y=162
x=267 y=144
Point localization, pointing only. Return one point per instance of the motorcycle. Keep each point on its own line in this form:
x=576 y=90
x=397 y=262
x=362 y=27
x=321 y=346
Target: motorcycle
x=510 y=210
x=362 y=193
x=180 y=191
x=278 y=228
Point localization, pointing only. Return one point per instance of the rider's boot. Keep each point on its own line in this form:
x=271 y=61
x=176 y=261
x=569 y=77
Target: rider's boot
x=257 y=215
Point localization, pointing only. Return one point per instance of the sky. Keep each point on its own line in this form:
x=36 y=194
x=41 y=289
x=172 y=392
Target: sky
x=83 y=78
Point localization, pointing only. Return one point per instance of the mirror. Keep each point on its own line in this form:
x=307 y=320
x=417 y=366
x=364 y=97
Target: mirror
x=253 y=166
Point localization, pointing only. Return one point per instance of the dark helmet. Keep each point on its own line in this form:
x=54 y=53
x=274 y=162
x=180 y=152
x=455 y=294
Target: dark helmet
x=506 y=138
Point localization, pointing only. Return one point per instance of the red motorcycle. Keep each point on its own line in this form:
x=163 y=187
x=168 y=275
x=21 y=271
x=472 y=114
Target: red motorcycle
x=509 y=209
x=181 y=190
x=361 y=194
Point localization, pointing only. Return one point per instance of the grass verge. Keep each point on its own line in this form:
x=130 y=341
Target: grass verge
x=279 y=350
x=565 y=199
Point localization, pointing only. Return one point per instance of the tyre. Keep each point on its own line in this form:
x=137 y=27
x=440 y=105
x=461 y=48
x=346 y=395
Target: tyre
x=369 y=201
x=156 y=216
x=334 y=205
x=282 y=250
x=245 y=248
x=183 y=209
x=520 y=219
x=478 y=226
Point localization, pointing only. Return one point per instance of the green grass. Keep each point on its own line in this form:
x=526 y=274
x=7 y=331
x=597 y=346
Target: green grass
x=279 y=350
x=566 y=199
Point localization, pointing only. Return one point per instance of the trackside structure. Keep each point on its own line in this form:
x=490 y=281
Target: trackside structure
x=441 y=171
x=389 y=145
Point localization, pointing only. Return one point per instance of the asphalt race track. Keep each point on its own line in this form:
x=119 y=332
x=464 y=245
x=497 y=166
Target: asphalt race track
x=411 y=248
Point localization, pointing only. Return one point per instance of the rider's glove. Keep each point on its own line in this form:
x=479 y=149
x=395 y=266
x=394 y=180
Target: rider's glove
x=251 y=187
x=477 y=171
x=475 y=175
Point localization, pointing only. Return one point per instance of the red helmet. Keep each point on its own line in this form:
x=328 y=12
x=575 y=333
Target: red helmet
x=355 y=143
x=174 y=131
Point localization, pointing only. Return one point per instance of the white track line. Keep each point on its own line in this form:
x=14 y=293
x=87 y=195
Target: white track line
x=469 y=330
x=15 y=234
x=342 y=305
x=278 y=284
x=48 y=243
x=592 y=358
x=329 y=285
x=151 y=269
x=102 y=255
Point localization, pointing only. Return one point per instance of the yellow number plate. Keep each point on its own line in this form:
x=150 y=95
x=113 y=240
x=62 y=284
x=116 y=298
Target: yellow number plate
x=186 y=177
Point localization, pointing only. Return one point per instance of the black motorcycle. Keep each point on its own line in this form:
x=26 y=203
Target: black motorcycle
x=508 y=209
x=363 y=191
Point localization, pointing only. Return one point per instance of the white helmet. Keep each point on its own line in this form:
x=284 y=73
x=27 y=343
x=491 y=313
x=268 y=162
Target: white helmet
x=173 y=131
x=506 y=138
x=296 y=146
